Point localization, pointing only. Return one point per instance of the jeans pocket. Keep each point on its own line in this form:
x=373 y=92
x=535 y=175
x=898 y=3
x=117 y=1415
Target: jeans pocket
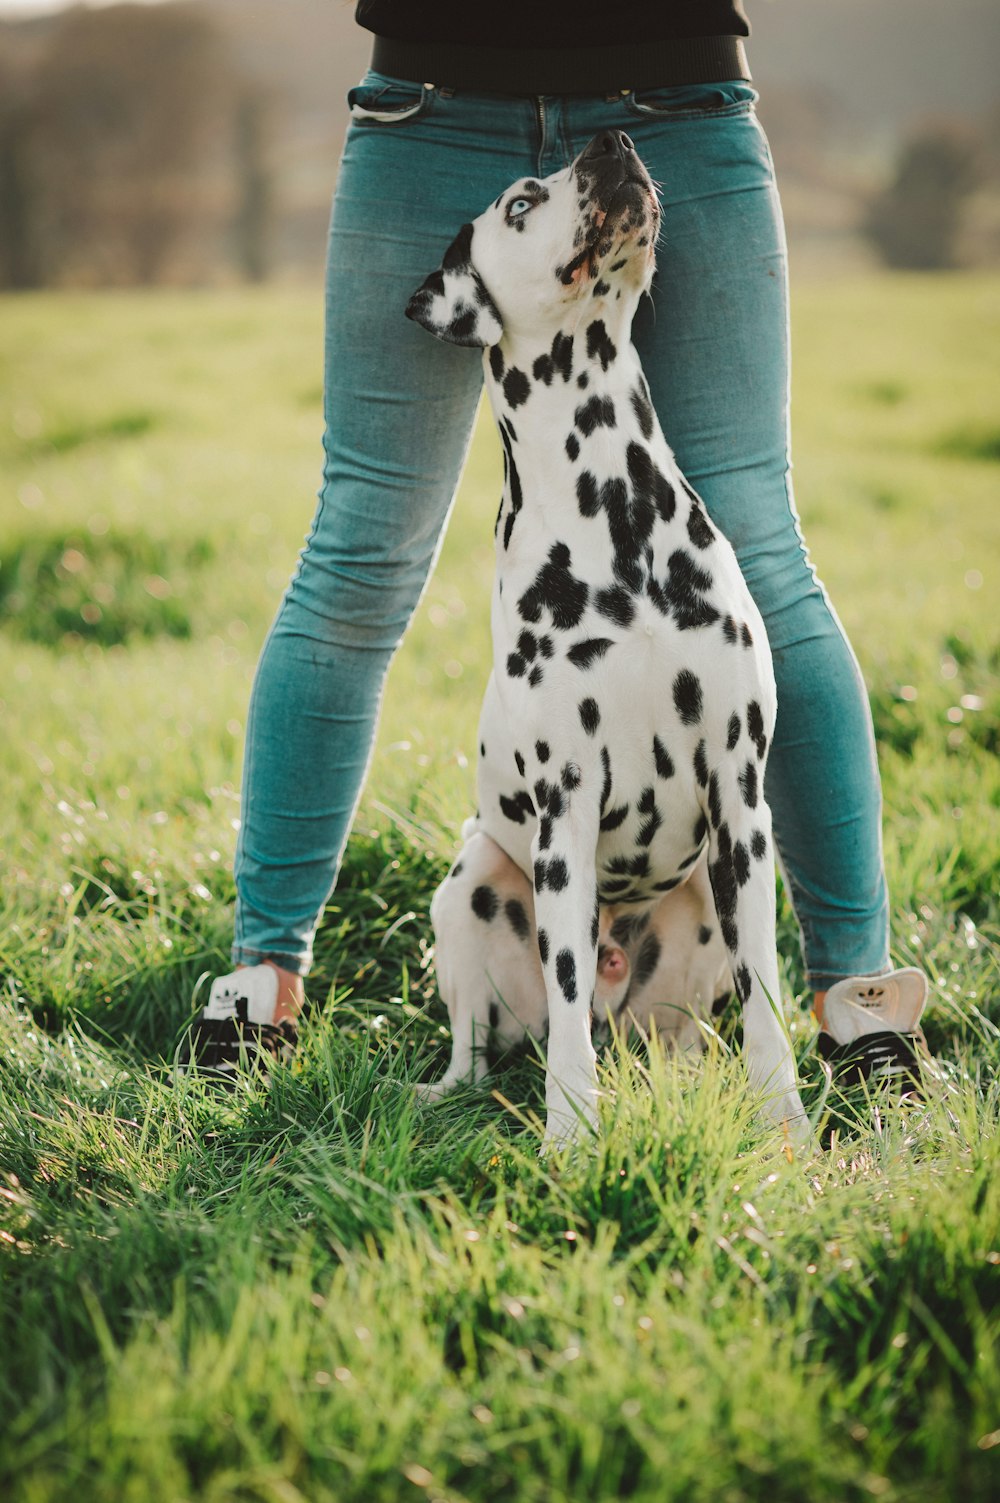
x=378 y=100
x=692 y=101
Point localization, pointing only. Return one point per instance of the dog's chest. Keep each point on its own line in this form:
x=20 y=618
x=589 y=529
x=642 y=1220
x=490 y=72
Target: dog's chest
x=626 y=644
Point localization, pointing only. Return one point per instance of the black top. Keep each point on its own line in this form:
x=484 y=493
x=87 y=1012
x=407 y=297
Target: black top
x=551 y=23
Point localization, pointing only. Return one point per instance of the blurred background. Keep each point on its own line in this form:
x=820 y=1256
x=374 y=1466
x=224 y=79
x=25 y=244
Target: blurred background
x=195 y=142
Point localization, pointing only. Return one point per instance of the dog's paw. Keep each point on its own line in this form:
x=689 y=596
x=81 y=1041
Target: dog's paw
x=570 y=1113
x=432 y=1091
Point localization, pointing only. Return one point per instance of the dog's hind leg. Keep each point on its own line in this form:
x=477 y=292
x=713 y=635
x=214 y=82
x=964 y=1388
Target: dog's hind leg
x=488 y=968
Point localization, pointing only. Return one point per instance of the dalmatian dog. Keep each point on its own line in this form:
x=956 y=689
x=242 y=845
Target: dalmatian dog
x=625 y=725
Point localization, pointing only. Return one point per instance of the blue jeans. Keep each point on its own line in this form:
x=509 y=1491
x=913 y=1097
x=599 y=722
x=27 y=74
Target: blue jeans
x=399 y=406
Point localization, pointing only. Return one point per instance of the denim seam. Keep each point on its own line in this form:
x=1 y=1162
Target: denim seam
x=297 y=964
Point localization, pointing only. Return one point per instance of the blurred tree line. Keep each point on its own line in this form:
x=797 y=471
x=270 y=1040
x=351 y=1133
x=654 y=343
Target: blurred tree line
x=138 y=144
x=131 y=152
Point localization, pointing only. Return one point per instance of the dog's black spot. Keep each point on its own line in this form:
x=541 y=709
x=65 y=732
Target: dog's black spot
x=544 y=833
x=701 y=764
x=614 y=817
x=632 y=866
x=742 y=979
x=516 y=386
x=648 y=481
x=484 y=903
x=566 y=974
x=606 y=788
x=583 y=654
x=571 y=776
x=493 y=1013
x=543 y=369
x=515 y=665
x=615 y=603
x=732 y=731
x=722 y=875
x=511 y=809
x=714 y=800
x=562 y=355
x=573 y=446
x=704 y=934
x=700 y=831
x=527 y=646
x=688 y=697
x=542 y=751
x=683 y=592
x=755 y=728
x=558 y=875
x=642 y=407
x=746 y=636
x=729 y=629
x=661 y=759
x=700 y=532
x=587 y=497
x=543 y=792
x=496 y=361
x=512 y=480
x=720 y=1003
x=599 y=344
x=628 y=926
x=649 y=827
x=555 y=589
x=646 y=961
x=456 y=870
x=545 y=646
x=543 y=946
x=741 y=863
x=459 y=253
x=598 y=412
x=519 y=763
x=601 y=289
x=583 y=380
x=590 y=716
x=758 y=845
x=748 y=785
x=462 y=326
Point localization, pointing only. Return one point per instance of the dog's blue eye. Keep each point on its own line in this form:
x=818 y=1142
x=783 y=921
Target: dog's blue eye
x=518 y=206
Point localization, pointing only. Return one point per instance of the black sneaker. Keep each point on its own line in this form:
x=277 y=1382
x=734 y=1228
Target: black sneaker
x=234 y=1033
x=871 y=1030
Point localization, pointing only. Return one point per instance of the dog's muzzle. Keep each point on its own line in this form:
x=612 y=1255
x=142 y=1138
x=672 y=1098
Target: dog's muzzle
x=611 y=174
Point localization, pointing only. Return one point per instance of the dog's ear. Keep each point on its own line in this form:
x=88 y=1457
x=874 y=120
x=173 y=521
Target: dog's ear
x=453 y=304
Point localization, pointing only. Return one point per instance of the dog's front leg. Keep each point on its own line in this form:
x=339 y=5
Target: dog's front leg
x=741 y=869
x=566 y=913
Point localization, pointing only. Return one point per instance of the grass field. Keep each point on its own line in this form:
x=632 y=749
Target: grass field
x=325 y=1292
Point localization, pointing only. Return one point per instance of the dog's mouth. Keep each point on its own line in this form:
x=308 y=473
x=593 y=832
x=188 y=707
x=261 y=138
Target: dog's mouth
x=623 y=217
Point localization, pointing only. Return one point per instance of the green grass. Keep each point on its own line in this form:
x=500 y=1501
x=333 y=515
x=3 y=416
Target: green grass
x=325 y=1291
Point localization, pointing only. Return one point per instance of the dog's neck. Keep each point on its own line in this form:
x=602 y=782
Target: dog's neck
x=530 y=377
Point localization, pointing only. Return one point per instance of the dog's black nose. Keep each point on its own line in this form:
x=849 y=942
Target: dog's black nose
x=609 y=144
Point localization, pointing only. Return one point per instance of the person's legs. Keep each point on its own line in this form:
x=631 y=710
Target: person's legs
x=399 y=411
x=714 y=342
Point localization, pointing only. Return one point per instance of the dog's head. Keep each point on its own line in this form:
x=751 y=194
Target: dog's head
x=546 y=246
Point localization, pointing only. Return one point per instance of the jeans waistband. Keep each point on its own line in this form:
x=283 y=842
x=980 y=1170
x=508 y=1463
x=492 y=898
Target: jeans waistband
x=564 y=70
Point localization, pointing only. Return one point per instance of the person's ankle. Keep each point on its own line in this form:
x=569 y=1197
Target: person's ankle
x=291 y=991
